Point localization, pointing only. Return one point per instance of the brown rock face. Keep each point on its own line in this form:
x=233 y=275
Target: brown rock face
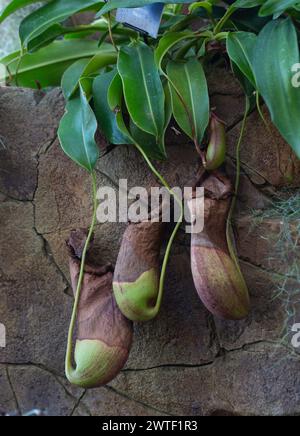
x=268 y=158
x=185 y=362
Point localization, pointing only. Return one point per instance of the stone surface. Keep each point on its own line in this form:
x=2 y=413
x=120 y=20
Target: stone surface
x=268 y=313
x=252 y=381
x=179 y=339
x=268 y=243
x=8 y=402
x=107 y=401
x=36 y=388
x=185 y=362
x=264 y=154
x=33 y=305
x=19 y=145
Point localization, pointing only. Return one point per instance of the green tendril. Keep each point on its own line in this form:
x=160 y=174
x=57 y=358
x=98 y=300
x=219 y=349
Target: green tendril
x=68 y=361
x=231 y=247
x=174 y=233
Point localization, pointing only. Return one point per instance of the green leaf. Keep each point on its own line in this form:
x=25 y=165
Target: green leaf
x=55 y=11
x=103 y=58
x=114 y=4
x=106 y=56
x=275 y=7
x=72 y=76
x=240 y=48
x=115 y=93
x=15 y=5
x=168 y=41
x=276 y=53
x=147 y=141
x=135 y=136
x=203 y=4
x=115 y=99
x=247 y=86
x=46 y=66
x=143 y=90
x=248 y=3
x=106 y=117
x=46 y=37
x=191 y=109
x=77 y=131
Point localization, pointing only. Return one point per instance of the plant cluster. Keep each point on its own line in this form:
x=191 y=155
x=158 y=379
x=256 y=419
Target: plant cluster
x=129 y=86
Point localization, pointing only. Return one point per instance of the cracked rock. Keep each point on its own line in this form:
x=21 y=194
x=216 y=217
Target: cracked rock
x=7 y=401
x=264 y=153
x=246 y=382
x=36 y=388
x=185 y=362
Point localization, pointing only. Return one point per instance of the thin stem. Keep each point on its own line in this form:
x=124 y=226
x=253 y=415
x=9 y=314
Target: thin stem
x=174 y=233
x=19 y=65
x=259 y=109
x=68 y=361
x=224 y=19
x=237 y=185
x=111 y=33
x=184 y=49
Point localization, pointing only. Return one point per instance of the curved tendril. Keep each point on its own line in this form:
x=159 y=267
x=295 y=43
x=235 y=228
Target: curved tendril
x=237 y=185
x=68 y=362
x=174 y=233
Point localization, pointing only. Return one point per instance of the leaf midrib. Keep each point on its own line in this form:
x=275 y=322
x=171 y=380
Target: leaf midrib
x=146 y=90
x=192 y=103
x=55 y=61
x=246 y=57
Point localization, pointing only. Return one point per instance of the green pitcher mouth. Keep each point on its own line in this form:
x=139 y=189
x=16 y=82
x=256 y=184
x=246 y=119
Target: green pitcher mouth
x=96 y=363
x=137 y=300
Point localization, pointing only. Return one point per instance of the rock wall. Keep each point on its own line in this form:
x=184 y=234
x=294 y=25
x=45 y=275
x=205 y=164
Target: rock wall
x=185 y=362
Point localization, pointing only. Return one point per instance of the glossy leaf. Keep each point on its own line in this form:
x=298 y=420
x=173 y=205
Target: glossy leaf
x=77 y=131
x=103 y=58
x=14 y=6
x=46 y=66
x=147 y=141
x=247 y=86
x=168 y=41
x=143 y=90
x=276 y=53
x=46 y=37
x=240 y=48
x=53 y=12
x=106 y=117
x=115 y=93
x=115 y=99
x=106 y=56
x=248 y=3
x=276 y=7
x=191 y=114
x=72 y=76
x=134 y=134
x=203 y=4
